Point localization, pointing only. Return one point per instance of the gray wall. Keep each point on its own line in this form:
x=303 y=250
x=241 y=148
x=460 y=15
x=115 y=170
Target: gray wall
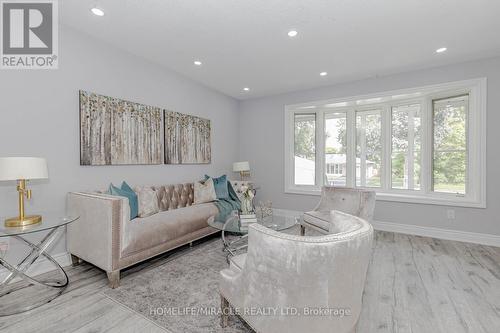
x=40 y=117
x=262 y=143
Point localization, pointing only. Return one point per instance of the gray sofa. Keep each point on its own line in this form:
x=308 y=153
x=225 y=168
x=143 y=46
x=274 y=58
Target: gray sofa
x=105 y=237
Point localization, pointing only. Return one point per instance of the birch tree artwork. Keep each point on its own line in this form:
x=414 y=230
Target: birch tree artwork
x=118 y=132
x=187 y=139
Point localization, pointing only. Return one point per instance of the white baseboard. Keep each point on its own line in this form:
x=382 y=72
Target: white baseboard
x=42 y=265
x=454 y=235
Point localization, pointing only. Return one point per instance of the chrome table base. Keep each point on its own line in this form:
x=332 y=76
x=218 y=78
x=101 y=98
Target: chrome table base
x=48 y=289
x=229 y=246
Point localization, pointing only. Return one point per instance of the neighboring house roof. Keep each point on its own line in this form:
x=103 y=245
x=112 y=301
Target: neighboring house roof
x=341 y=159
x=304 y=163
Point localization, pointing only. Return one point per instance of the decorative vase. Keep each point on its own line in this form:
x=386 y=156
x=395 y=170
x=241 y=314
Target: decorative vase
x=246 y=206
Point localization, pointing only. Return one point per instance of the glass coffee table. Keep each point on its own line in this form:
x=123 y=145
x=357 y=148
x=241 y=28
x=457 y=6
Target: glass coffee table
x=238 y=241
x=15 y=298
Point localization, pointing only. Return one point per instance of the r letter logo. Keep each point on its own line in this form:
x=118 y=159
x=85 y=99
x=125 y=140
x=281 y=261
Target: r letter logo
x=29 y=34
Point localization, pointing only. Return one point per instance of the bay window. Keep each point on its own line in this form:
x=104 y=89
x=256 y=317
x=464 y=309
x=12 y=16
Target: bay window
x=422 y=145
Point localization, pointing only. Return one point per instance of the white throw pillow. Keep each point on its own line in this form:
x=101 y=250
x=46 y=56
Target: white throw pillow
x=204 y=191
x=148 y=201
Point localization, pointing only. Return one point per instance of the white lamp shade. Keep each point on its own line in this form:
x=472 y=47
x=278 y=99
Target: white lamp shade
x=241 y=166
x=14 y=168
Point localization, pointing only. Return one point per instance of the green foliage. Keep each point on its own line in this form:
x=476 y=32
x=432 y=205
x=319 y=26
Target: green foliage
x=450 y=142
x=332 y=150
x=398 y=165
x=305 y=138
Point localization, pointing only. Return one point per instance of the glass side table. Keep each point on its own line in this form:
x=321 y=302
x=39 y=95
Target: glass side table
x=232 y=226
x=14 y=297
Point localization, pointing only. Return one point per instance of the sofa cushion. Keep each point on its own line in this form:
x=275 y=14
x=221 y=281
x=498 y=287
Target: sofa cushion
x=345 y=200
x=145 y=233
x=204 y=191
x=220 y=184
x=320 y=219
x=174 y=196
x=127 y=192
x=331 y=221
x=148 y=201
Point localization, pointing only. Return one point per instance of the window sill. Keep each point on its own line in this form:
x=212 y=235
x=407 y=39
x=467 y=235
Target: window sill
x=441 y=200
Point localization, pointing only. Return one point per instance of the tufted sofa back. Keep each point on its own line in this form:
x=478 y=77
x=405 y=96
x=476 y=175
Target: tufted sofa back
x=174 y=196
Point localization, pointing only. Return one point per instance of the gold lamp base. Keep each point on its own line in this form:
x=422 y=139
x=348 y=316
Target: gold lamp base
x=26 y=220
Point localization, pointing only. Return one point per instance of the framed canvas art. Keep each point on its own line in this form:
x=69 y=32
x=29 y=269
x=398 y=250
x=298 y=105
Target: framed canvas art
x=187 y=139
x=118 y=132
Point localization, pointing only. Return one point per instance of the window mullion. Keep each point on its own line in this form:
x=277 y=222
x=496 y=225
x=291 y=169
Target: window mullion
x=411 y=150
x=427 y=149
x=386 y=178
x=351 y=148
x=320 y=148
x=362 y=152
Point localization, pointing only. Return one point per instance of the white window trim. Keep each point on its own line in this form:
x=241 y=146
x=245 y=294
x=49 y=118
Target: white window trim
x=476 y=180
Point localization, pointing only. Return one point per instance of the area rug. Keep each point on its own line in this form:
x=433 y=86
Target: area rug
x=181 y=293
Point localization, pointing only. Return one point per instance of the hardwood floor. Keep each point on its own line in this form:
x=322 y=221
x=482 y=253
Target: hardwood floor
x=418 y=284
x=415 y=284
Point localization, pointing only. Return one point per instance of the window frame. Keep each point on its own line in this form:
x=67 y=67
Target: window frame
x=476 y=142
x=323 y=115
x=389 y=144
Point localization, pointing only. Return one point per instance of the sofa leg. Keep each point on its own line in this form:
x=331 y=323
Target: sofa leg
x=224 y=304
x=114 y=279
x=302 y=230
x=75 y=261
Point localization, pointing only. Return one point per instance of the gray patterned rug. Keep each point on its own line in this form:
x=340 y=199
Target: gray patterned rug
x=180 y=293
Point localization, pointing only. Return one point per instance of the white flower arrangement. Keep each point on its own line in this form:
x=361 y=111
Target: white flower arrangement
x=247 y=192
x=246 y=202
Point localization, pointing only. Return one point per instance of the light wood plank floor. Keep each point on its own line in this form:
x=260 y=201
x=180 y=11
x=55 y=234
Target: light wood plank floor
x=415 y=284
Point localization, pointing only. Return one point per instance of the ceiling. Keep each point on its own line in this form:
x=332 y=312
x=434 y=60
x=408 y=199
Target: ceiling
x=245 y=43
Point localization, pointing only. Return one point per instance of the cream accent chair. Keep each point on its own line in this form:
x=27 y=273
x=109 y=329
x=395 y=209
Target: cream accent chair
x=282 y=271
x=356 y=202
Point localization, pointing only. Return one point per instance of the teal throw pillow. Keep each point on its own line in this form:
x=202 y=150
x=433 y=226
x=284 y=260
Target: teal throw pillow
x=126 y=191
x=220 y=185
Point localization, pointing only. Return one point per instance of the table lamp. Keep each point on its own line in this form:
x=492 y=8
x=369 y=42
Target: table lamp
x=22 y=169
x=243 y=168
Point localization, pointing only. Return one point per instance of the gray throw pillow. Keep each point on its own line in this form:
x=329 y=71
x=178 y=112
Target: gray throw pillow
x=204 y=191
x=148 y=201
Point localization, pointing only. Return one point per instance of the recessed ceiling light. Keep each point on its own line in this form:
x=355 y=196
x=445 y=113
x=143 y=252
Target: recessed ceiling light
x=292 y=33
x=323 y=73
x=197 y=63
x=97 y=11
x=246 y=89
x=441 y=50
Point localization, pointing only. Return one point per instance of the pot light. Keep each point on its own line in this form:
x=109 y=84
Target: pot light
x=246 y=89
x=97 y=11
x=292 y=33
x=197 y=63
x=323 y=73
x=441 y=50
